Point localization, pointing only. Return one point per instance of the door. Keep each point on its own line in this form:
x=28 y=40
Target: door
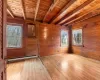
x=31 y=41
x=2 y=40
x=31 y=47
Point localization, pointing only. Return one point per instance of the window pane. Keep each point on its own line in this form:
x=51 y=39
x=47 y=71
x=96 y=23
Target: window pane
x=77 y=37
x=64 y=38
x=14 y=36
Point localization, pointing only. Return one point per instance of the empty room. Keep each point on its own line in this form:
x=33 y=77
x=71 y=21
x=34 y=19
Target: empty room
x=49 y=39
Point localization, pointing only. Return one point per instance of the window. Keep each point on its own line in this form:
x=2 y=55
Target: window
x=14 y=36
x=77 y=37
x=64 y=38
x=31 y=31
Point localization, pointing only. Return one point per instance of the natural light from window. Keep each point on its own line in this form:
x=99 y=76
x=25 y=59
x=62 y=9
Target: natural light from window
x=14 y=36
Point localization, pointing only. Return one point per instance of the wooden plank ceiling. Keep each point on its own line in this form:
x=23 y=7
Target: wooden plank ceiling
x=61 y=12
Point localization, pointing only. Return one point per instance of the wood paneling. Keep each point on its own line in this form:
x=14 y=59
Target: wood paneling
x=91 y=38
x=20 y=52
x=49 y=39
x=31 y=43
x=31 y=47
x=48 y=42
x=2 y=40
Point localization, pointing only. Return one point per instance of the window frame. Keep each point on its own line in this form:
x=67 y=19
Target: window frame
x=82 y=38
x=61 y=38
x=15 y=24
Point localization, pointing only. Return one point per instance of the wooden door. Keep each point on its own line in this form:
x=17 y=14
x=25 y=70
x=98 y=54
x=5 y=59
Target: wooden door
x=31 y=47
x=2 y=40
x=31 y=41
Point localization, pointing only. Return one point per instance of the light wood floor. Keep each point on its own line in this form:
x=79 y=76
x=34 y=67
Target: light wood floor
x=56 y=67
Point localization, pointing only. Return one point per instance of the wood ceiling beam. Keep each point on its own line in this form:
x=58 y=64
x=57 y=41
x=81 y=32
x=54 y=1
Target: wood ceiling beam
x=37 y=8
x=10 y=12
x=61 y=12
x=90 y=15
x=84 y=18
x=51 y=8
x=75 y=12
x=88 y=9
x=23 y=8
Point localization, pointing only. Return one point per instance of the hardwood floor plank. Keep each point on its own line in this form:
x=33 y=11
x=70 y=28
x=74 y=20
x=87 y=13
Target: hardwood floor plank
x=14 y=71
x=55 y=67
x=31 y=69
x=64 y=69
x=40 y=71
x=54 y=73
x=81 y=66
x=28 y=71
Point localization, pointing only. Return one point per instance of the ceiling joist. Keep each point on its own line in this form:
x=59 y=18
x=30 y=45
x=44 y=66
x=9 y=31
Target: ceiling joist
x=86 y=10
x=10 y=12
x=54 y=3
x=56 y=18
x=64 y=8
x=75 y=11
x=37 y=8
x=23 y=8
x=88 y=16
x=61 y=12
